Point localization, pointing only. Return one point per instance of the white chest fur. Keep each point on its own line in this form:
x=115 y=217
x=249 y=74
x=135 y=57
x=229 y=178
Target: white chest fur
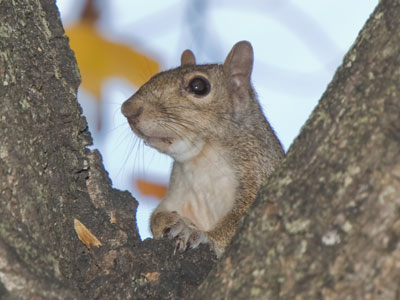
x=202 y=189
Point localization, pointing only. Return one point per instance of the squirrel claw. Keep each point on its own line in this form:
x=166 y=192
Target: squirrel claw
x=180 y=246
x=187 y=235
x=196 y=238
x=189 y=238
x=174 y=230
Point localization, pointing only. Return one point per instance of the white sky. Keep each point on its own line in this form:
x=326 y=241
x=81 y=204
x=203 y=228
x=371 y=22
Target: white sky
x=298 y=46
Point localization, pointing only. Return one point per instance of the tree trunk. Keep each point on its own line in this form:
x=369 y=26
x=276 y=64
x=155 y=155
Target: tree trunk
x=48 y=179
x=325 y=225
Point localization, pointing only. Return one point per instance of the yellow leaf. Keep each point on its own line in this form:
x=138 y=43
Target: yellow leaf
x=98 y=59
x=151 y=189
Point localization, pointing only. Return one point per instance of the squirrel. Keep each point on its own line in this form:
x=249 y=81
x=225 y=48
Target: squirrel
x=208 y=119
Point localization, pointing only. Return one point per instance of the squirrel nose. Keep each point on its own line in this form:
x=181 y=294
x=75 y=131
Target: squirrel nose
x=131 y=111
x=136 y=113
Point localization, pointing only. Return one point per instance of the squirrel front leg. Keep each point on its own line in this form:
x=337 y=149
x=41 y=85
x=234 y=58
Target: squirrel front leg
x=225 y=229
x=222 y=234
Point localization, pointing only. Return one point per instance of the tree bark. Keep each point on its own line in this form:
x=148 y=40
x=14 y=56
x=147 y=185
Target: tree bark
x=48 y=179
x=326 y=225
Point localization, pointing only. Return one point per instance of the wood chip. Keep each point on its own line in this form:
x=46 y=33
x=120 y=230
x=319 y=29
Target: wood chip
x=84 y=234
x=152 y=276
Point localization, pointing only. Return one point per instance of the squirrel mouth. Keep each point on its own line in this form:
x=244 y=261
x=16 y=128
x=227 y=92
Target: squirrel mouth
x=150 y=140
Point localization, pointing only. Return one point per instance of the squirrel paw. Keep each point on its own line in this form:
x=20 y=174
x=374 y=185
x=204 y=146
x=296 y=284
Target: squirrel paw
x=173 y=230
x=170 y=225
x=187 y=236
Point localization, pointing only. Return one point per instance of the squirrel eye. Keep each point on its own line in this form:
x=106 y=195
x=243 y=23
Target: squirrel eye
x=199 y=86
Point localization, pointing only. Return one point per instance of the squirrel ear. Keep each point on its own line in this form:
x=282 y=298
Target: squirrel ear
x=187 y=58
x=239 y=63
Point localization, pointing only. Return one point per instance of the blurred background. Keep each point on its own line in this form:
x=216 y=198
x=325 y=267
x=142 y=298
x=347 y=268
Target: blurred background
x=120 y=44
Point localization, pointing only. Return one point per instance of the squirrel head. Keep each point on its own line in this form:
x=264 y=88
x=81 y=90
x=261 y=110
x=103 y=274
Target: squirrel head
x=179 y=110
